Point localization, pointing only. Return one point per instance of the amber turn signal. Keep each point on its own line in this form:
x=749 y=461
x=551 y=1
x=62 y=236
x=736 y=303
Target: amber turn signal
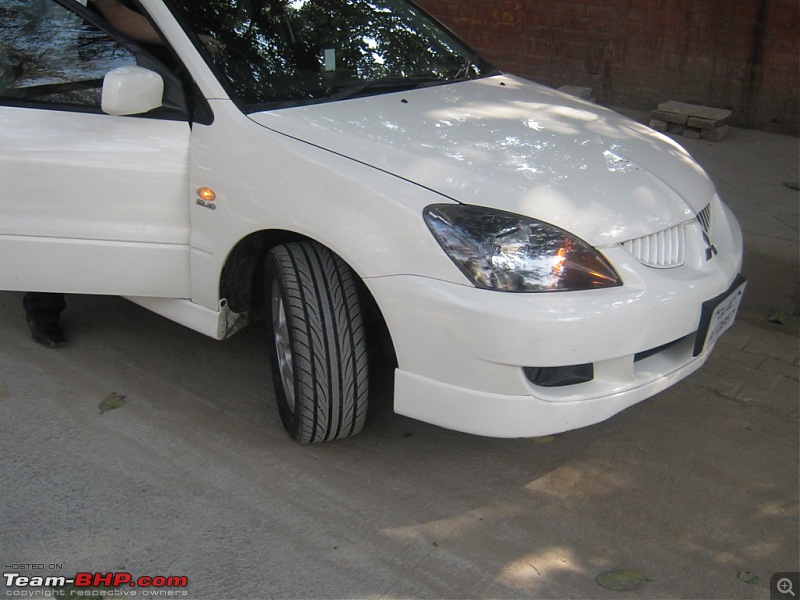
x=206 y=194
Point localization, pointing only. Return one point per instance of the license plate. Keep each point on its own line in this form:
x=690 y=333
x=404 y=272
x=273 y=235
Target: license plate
x=718 y=315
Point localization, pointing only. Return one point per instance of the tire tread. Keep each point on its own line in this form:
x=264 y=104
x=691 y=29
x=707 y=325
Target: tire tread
x=328 y=343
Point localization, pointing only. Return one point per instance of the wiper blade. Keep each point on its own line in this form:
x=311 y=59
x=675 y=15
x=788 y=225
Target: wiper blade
x=473 y=67
x=385 y=84
x=464 y=72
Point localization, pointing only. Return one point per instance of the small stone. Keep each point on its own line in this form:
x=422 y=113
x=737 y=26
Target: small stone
x=658 y=125
x=715 y=135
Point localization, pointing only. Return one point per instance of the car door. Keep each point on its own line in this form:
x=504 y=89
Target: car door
x=89 y=202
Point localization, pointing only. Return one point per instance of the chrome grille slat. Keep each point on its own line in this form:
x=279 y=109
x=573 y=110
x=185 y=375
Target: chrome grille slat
x=662 y=250
x=704 y=218
x=666 y=249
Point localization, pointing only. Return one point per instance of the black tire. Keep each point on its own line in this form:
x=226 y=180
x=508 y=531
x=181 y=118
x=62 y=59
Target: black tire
x=318 y=346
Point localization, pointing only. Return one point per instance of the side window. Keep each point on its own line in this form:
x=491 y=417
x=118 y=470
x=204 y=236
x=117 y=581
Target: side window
x=49 y=55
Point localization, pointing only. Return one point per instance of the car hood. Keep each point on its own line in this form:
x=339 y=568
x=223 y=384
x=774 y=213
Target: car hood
x=510 y=144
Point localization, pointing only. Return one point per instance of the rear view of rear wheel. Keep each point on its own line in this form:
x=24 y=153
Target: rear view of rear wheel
x=319 y=349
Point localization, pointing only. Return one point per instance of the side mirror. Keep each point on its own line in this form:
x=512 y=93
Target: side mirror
x=131 y=90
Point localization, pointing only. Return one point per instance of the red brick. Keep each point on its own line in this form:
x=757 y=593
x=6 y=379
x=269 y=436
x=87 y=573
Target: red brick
x=639 y=15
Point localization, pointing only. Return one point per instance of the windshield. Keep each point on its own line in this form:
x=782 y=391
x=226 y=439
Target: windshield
x=274 y=53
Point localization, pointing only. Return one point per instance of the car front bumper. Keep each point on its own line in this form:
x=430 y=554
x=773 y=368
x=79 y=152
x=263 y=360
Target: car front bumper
x=465 y=356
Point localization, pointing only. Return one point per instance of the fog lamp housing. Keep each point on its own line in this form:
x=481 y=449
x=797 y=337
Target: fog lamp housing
x=559 y=376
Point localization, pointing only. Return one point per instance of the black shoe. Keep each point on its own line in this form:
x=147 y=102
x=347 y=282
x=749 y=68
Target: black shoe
x=48 y=334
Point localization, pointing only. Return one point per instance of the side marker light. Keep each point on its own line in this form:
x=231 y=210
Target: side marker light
x=206 y=194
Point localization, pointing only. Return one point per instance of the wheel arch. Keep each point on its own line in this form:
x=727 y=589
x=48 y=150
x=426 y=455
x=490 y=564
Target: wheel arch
x=241 y=283
x=241 y=272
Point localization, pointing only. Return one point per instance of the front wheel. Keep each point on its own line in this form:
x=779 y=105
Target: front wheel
x=318 y=350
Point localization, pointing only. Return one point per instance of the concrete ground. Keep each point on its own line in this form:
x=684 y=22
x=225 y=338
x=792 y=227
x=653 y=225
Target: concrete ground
x=696 y=488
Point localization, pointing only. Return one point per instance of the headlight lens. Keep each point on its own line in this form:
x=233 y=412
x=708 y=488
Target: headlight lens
x=506 y=252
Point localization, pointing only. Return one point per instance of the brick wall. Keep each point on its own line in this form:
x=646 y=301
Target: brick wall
x=736 y=54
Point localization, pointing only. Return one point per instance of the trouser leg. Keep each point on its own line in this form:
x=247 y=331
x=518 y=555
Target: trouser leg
x=43 y=307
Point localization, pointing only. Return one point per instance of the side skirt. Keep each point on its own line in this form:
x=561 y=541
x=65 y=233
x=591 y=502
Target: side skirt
x=217 y=324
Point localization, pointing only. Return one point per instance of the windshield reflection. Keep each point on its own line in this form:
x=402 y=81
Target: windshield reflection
x=289 y=52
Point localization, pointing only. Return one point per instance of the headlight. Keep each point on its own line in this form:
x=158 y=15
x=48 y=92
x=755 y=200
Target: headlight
x=502 y=251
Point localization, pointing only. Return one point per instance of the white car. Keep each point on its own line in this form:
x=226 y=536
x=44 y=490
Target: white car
x=540 y=263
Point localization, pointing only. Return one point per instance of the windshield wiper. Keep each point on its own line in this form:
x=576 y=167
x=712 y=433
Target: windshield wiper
x=385 y=84
x=473 y=67
x=464 y=71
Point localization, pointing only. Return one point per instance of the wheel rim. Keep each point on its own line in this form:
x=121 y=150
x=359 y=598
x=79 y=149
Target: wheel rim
x=282 y=345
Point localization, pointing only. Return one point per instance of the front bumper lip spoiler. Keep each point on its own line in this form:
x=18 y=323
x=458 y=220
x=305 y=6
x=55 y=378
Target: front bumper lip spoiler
x=509 y=416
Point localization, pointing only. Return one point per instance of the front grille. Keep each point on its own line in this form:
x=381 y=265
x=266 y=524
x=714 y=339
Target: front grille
x=652 y=352
x=666 y=249
x=704 y=218
x=662 y=250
